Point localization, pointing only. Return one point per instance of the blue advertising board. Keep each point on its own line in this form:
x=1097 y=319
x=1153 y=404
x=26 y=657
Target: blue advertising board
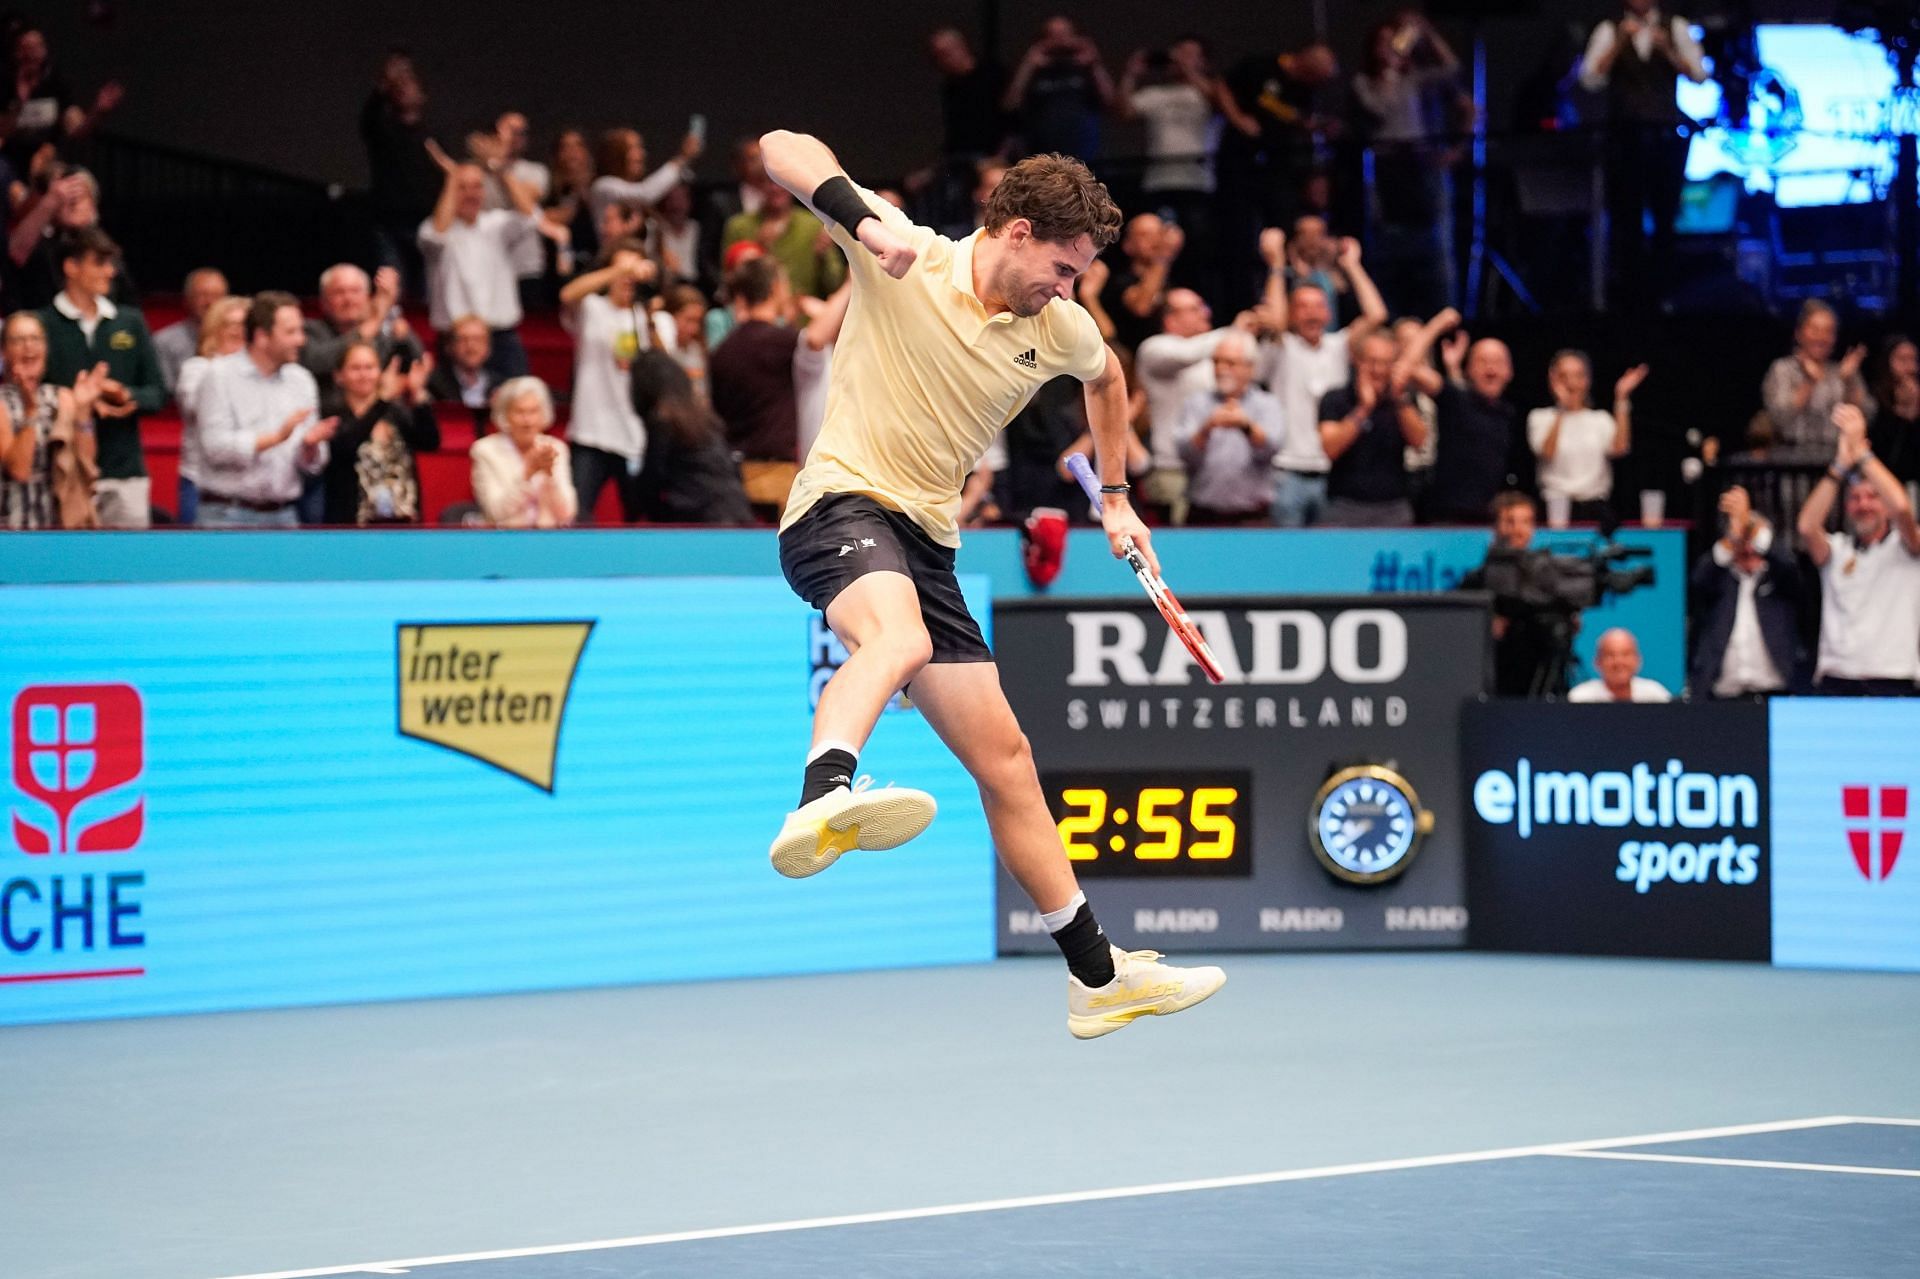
x=240 y=796
x=1846 y=874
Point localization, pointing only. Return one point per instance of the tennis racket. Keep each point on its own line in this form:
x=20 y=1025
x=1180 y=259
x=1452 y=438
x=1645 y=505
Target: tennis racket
x=1163 y=599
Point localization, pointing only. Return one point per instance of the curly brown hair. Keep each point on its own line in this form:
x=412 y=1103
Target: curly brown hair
x=1060 y=196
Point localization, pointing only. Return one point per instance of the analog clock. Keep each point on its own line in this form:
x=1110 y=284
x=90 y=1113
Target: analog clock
x=1366 y=823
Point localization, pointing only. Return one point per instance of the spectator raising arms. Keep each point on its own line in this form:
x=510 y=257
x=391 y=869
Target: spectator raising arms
x=622 y=161
x=402 y=176
x=1869 y=576
x=1134 y=295
x=42 y=107
x=469 y=250
x=47 y=440
x=1058 y=92
x=521 y=476
x=1746 y=603
x=353 y=309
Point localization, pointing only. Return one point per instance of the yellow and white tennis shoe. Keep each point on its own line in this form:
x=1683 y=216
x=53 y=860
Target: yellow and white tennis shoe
x=1142 y=986
x=843 y=819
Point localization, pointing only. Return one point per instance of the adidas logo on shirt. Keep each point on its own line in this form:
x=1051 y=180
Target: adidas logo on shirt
x=1027 y=359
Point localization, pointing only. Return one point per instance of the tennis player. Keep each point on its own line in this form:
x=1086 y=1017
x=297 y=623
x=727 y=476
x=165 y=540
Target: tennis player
x=944 y=342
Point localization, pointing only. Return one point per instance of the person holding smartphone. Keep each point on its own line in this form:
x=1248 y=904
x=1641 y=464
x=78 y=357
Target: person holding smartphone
x=604 y=311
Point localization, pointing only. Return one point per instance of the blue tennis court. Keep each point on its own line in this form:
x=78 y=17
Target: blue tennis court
x=1380 y=1115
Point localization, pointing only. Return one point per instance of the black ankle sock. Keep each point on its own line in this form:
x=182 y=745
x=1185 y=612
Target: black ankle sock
x=1085 y=946
x=833 y=768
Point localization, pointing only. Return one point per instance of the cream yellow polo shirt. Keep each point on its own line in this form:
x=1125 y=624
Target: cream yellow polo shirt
x=923 y=379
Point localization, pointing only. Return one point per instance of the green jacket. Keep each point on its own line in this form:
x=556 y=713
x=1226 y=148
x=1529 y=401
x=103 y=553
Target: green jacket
x=126 y=348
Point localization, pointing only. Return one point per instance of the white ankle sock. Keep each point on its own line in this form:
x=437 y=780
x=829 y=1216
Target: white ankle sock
x=821 y=748
x=1055 y=920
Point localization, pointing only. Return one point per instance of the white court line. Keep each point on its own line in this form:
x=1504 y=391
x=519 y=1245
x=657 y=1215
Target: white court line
x=1644 y=1158
x=1891 y=1123
x=1044 y=1201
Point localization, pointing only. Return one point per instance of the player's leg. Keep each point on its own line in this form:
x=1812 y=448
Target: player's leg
x=1108 y=987
x=845 y=558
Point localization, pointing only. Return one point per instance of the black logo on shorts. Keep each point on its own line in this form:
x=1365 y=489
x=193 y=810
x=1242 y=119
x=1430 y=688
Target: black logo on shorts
x=1027 y=359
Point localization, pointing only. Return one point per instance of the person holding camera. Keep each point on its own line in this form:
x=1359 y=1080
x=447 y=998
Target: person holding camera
x=1869 y=576
x=1059 y=91
x=1746 y=605
x=1175 y=94
x=1227 y=437
x=1366 y=429
x=604 y=312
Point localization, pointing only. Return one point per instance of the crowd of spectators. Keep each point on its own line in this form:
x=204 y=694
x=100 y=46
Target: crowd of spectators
x=1280 y=372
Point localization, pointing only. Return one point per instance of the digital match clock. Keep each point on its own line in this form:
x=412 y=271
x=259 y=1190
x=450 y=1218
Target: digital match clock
x=1169 y=824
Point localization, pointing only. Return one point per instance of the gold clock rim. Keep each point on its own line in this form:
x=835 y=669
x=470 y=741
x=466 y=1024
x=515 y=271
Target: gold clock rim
x=1422 y=823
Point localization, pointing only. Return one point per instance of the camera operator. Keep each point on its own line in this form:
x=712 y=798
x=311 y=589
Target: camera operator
x=1523 y=636
x=1870 y=577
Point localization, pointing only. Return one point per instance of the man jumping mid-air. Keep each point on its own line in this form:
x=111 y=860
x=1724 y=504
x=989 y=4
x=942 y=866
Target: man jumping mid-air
x=943 y=343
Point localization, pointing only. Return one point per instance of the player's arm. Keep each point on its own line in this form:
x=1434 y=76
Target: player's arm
x=803 y=165
x=1107 y=419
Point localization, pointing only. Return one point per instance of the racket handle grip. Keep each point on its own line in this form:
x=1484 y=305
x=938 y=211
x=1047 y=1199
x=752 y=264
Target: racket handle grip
x=1083 y=471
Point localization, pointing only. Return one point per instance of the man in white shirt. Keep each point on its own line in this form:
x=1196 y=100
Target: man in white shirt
x=1309 y=359
x=258 y=439
x=470 y=249
x=1617 y=657
x=1172 y=367
x=1870 y=577
x=1746 y=594
x=1634 y=60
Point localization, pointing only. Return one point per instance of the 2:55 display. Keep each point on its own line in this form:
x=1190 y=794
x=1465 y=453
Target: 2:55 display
x=1160 y=823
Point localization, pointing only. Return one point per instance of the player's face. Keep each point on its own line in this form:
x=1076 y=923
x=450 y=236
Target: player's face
x=1038 y=271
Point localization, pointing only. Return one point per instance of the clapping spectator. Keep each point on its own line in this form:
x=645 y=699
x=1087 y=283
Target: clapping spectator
x=469 y=250
x=1635 y=60
x=1746 y=607
x=504 y=151
x=47 y=442
x=1059 y=91
x=353 y=309
x=622 y=161
x=1309 y=359
x=259 y=440
x=1366 y=429
x=1576 y=443
x=403 y=177
x=385 y=417
x=1176 y=95
x=1406 y=95
x=1173 y=366
x=609 y=323
x=85 y=330
x=43 y=107
x=222 y=333
x=1227 y=439
x=1895 y=431
x=1617 y=657
x=1801 y=389
x=521 y=475
x=180 y=341
x=466 y=375
x=1869 y=575
x=1135 y=293
x=791 y=234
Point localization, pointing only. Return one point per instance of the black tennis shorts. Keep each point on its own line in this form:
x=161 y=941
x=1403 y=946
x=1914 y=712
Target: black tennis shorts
x=845 y=536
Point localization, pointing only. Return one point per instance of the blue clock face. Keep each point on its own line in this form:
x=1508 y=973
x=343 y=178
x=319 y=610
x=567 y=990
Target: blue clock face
x=1367 y=828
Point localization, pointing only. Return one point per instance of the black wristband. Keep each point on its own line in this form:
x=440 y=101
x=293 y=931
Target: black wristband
x=1116 y=488
x=836 y=200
